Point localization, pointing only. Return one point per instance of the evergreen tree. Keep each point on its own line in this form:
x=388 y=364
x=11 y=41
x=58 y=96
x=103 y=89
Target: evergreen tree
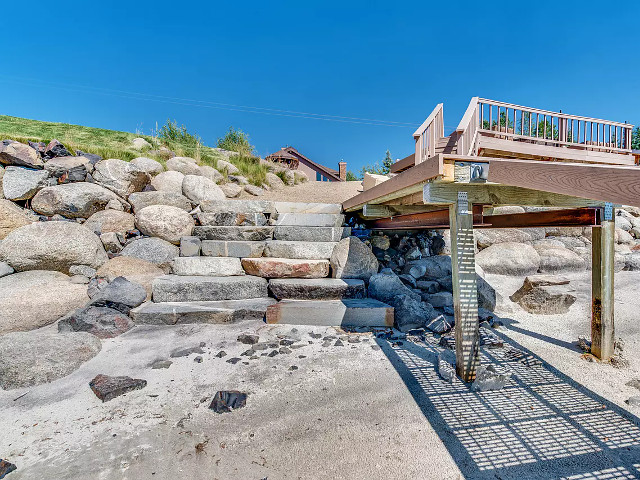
x=387 y=162
x=635 y=139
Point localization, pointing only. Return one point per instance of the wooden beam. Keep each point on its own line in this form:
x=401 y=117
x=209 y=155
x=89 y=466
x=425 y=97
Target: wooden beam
x=602 y=273
x=433 y=219
x=608 y=183
x=465 y=293
x=496 y=195
x=408 y=182
x=382 y=211
x=575 y=217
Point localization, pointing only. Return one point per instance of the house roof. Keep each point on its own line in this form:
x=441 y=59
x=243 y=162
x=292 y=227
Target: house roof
x=282 y=154
x=291 y=151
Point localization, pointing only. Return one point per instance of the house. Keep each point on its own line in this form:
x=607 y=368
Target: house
x=294 y=160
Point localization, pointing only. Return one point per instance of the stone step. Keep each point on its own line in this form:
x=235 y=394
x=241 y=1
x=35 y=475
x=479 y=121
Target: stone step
x=308 y=250
x=224 y=311
x=365 y=312
x=310 y=234
x=233 y=233
x=177 y=288
x=232 y=219
x=230 y=248
x=208 y=266
x=317 y=288
x=307 y=219
x=237 y=206
x=301 y=207
x=268 y=267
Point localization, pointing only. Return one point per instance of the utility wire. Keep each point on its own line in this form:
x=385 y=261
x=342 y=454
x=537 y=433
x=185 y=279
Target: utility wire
x=205 y=104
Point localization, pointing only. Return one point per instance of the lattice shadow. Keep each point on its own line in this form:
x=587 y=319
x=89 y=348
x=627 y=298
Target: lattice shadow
x=542 y=425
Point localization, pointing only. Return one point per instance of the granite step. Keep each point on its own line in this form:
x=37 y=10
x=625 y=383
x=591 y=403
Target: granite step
x=238 y=206
x=195 y=288
x=231 y=219
x=310 y=234
x=232 y=248
x=365 y=312
x=223 y=311
x=307 y=219
x=317 y=288
x=301 y=207
x=306 y=250
x=253 y=234
x=269 y=267
x=208 y=266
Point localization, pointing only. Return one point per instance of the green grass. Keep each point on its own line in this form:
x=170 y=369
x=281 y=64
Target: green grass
x=116 y=144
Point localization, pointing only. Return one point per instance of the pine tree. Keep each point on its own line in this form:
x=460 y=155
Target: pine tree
x=387 y=162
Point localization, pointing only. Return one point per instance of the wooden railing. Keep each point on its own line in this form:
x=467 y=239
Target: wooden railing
x=428 y=134
x=467 y=130
x=505 y=120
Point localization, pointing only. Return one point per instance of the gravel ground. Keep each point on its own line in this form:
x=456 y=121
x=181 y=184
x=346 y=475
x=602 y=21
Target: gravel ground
x=347 y=412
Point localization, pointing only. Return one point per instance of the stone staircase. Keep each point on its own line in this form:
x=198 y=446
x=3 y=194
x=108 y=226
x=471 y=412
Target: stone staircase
x=243 y=251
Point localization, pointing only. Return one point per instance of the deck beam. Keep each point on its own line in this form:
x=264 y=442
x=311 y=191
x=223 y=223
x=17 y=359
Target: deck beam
x=465 y=293
x=602 y=299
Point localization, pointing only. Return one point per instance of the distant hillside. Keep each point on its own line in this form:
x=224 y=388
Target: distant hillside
x=116 y=144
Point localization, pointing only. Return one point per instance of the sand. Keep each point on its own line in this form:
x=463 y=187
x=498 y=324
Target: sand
x=351 y=412
x=321 y=192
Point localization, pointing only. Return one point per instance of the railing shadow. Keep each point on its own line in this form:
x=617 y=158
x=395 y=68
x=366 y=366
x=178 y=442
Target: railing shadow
x=542 y=425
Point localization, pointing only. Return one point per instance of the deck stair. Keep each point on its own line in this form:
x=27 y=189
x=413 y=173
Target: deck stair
x=247 y=259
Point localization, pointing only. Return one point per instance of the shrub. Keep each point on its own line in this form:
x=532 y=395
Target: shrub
x=171 y=132
x=236 y=141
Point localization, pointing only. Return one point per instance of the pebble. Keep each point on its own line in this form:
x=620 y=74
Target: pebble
x=226 y=400
x=198 y=359
x=248 y=338
x=285 y=350
x=338 y=343
x=353 y=339
x=107 y=388
x=158 y=364
x=293 y=367
x=315 y=335
x=185 y=352
x=221 y=354
x=273 y=353
x=233 y=360
x=6 y=467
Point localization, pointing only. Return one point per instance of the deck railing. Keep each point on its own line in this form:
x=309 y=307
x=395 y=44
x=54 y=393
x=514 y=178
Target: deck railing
x=428 y=134
x=505 y=120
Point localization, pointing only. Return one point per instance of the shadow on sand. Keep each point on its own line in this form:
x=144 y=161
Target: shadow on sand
x=542 y=425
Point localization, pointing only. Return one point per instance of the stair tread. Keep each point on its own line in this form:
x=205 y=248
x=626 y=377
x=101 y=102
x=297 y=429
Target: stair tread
x=207 y=266
x=187 y=288
x=347 y=312
x=316 y=288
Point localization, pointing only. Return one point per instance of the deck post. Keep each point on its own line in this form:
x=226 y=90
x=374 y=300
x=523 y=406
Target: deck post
x=602 y=273
x=465 y=293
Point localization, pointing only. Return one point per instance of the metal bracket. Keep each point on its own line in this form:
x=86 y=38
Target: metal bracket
x=463 y=203
x=467 y=172
x=608 y=211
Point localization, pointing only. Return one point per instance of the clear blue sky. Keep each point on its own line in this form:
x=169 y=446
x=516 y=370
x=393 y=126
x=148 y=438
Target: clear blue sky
x=388 y=60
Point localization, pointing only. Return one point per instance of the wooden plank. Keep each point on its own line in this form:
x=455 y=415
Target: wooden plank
x=408 y=182
x=496 y=195
x=602 y=275
x=607 y=183
x=405 y=163
x=382 y=211
x=465 y=293
x=433 y=219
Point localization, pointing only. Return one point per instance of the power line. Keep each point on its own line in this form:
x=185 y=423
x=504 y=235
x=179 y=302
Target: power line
x=206 y=104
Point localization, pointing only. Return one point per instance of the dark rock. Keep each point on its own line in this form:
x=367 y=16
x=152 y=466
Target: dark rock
x=286 y=342
x=635 y=383
x=375 y=347
x=446 y=366
x=490 y=377
x=248 y=338
x=338 y=343
x=221 y=354
x=107 y=388
x=226 y=400
x=285 y=350
x=93 y=158
x=315 y=335
x=38 y=147
x=158 y=364
x=632 y=401
x=292 y=368
x=55 y=149
x=95 y=285
x=441 y=324
x=120 y=294
x=185 y=352
x=273 y=353
x=198 y=359
x=6 y=468
x=353 y=339
x=544 y=295
x=103 y=322
x=234 y=360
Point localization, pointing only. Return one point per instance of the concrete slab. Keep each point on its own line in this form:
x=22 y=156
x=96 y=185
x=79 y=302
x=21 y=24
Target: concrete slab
x=231 y=248
x=224 y=311
x=176 y=288
x=308 y=250
x=209 y=266
x=286 y=267
x=365 y=312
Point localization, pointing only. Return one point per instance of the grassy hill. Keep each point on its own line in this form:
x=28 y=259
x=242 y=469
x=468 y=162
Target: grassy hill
x=116 y=144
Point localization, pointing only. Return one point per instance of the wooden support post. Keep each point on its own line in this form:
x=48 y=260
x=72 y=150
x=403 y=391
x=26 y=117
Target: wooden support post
x=602 y=256
x=465 y=293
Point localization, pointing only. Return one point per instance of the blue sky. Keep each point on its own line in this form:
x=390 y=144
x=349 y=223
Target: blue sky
x=70 y=61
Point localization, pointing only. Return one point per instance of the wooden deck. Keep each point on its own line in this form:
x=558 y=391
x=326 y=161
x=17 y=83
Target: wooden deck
x=505 y=154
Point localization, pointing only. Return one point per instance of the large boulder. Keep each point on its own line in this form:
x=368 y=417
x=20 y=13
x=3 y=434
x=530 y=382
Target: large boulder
x=121 y=294
x=274 y=181
x=386 y=285
x=430 y=268
x=72 y=200
x=228 y=167
x=165 y=222
x=231 y=190
x=559 y=259
x=211 y=173
x=120 y=177
x=411 y=313
x=168 y=182
x=21 y=183
x=490 y=236
x=140 y=143
x=133 y=269
x=184 y=165
x=12 y=217
x=52 y=246
x=148 y=165
x=32 y=358
x=140 y=200
x=153 y=250
x=69 y=169
x=353 y=259
x=106 y=221
x=16 y=153
x=200 y=189
x=30 y=300
x=545 y=295
x=509 y=259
